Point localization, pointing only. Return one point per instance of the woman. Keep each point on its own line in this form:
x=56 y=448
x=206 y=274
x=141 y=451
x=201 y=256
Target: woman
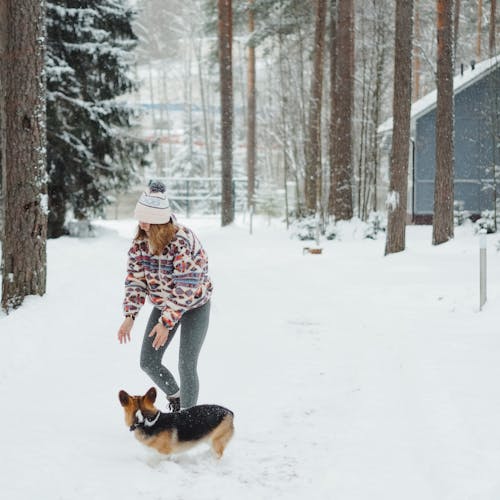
x=167 y=263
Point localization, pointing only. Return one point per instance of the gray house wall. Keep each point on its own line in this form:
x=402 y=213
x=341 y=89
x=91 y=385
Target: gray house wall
x=477 y=118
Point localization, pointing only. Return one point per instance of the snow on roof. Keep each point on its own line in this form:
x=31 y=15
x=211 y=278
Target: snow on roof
x=460 y=82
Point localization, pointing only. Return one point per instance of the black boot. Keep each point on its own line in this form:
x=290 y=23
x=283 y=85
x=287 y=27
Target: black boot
x=174 y=404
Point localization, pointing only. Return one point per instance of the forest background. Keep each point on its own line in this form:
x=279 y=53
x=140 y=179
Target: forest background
x=267 y=106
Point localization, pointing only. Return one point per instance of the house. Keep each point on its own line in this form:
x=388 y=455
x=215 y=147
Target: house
x=477 y=144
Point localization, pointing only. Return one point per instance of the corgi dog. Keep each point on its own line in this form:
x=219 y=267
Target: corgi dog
x=175 y=432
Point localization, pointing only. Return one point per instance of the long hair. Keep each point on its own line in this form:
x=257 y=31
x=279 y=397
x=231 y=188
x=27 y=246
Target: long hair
x=160 y=235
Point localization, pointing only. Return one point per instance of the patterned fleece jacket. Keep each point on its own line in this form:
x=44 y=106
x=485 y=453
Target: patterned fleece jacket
x=175 y=281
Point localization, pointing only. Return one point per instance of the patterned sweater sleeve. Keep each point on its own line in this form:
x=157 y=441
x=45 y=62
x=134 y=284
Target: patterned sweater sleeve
x=190 y=268
x=136 y=288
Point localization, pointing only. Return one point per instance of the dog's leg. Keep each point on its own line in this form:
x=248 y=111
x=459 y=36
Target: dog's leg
x=162 y=442
x=222 y=435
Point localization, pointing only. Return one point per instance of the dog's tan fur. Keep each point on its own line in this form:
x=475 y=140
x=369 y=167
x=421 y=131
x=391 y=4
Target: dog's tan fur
x=167 y=441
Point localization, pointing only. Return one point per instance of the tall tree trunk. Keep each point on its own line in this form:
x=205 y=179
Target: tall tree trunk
x=442 y=230
x=22 y=87
x=398 y=186
x=456 y=29
x=479 y=29
x=284 y=134
x=167 y=156
x=3 y=133
x=493 y=24
x=252 y=109
x=225 y=29
x=342 y=175
x=204 y=108
x=366 y=77
x=416 y=55
x=381 y=54
x=313 y=143
x=188 y=101
x=334 y=98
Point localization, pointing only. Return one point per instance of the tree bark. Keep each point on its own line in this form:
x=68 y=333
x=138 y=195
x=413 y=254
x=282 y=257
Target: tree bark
x=398 y=185
x=334 y=98
x=226 y=95
x=342 y=172
x=381 y=55
x=493 y=23
x=23 y=90
x=442 y=230
x=479 y=29
x=456 y=28
x=313 y=144
x=252 y=109
x=3 y=170
x=416 y=55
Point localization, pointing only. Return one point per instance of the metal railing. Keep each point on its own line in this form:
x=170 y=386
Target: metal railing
x=203 y=194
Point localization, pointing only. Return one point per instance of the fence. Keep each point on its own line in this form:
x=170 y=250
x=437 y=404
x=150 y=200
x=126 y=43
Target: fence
x=203 y=194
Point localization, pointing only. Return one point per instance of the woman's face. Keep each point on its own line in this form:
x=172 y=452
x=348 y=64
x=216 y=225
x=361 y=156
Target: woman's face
x=145 y=226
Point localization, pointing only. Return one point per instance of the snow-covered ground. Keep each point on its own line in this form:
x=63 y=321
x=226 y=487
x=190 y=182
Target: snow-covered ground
x=351 y=375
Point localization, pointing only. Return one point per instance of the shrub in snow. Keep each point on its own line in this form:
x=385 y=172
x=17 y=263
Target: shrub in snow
x=331 y=231
x=459 y=214
x=487 y=222
x=304 y=228
x=376 y=223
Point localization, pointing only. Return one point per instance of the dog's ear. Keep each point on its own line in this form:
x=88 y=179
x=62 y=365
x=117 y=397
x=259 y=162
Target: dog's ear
x=124 y=398
x=151 y=395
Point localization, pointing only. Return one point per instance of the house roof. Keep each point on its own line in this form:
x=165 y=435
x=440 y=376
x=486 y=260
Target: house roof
x=460 y=82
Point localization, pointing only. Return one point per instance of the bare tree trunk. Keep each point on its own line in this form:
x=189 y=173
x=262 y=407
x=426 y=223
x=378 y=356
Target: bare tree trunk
x=479 y=29
x=363 y=60
x=225 y=29
x=313 y=144
x=442 y=230
x=252 y=109
x=342 y=174
x=398 y=186
x=381 y=54
x=493 y=24
x=334 y=98
x=188 y=99
x=3 y=118
x=22 y=87
x=416 y=55
x=168 y=155
x=206 y=133
x=456 y=28
x=152 y=96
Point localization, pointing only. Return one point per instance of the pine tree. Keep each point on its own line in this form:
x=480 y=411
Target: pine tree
x=398 y=188
x=313 y=145
x=442 y=228
x=226 y=80
x=22 y=150
x=88 y=61
x=343 y=137
x=252 y=110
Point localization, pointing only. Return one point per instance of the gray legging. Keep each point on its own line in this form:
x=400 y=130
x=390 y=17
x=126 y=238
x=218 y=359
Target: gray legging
x=194 y=326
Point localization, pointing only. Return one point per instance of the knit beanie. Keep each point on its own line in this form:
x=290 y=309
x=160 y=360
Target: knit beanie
x=153 y=206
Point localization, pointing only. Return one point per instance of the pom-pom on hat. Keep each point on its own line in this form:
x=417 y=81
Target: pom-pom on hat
x=153 y=206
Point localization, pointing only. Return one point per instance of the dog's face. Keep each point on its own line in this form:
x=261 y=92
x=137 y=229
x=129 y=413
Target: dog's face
x=138 y=408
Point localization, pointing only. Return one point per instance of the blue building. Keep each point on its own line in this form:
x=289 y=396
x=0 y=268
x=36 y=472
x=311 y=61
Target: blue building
x=477 y=144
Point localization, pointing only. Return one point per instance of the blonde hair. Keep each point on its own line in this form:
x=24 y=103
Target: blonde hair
x=160 y=235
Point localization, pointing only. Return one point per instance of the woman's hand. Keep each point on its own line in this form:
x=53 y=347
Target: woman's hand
x=161 y=335
x=125 y=329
